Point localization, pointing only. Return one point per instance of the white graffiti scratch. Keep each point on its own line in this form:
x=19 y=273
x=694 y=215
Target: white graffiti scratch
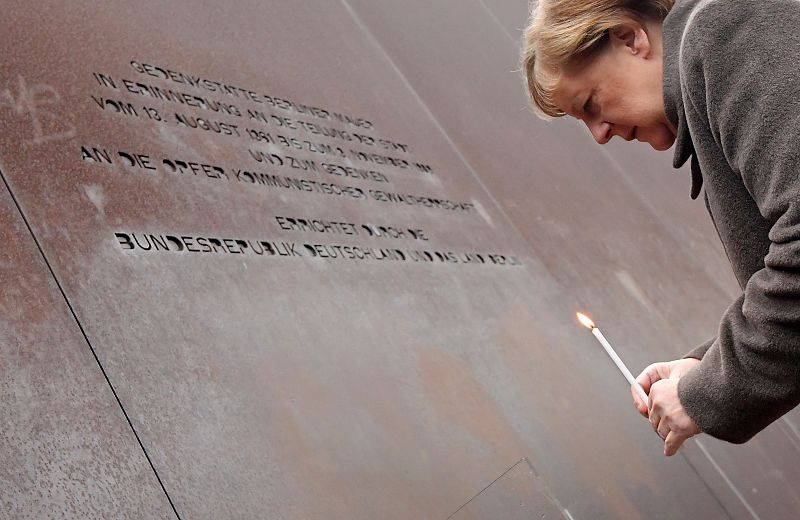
x=36 y=102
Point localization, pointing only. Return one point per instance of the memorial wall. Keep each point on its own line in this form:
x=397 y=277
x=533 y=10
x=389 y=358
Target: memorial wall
x=318 y=260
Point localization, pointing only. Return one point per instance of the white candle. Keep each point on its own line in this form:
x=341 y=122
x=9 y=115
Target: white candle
x=614 y=357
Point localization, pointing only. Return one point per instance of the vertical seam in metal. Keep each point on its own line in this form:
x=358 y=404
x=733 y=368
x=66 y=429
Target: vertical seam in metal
x=495 y=19
x=371 y=36
x=794 y=433
x=727 y=480
x=707 y=485
x=86 y=338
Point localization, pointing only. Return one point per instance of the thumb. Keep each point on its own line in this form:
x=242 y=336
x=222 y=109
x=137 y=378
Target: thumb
x=652 y=374
x=673 y=443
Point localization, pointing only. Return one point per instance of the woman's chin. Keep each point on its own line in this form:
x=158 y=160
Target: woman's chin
x=661 y=142
x=661 y=146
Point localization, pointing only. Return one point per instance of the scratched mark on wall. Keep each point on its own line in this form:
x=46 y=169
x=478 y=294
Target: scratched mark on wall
x=37 y=102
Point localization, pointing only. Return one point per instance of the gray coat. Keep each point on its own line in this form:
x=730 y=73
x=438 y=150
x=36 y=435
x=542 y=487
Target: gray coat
x=732 y=89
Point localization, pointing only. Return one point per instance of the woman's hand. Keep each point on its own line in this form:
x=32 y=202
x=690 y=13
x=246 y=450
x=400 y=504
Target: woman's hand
x=666 y=414
x=668 y=417
x=656 y=372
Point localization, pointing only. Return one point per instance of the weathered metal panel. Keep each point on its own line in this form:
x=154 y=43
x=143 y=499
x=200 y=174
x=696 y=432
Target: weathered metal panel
x=66 y=450
x=619 y=227
x=517 y=494
x=263 y=384
x=266 y=378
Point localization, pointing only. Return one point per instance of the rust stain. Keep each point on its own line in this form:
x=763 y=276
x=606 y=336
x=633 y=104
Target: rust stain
x=527 y=347
x=334 y=483
x=459 y=398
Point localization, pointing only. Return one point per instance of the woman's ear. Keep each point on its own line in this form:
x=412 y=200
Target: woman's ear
x=633 y=39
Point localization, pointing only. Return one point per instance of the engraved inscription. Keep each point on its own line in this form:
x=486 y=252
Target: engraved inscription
x=291 y=147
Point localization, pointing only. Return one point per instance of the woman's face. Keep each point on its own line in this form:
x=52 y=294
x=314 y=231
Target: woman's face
x=619 y=90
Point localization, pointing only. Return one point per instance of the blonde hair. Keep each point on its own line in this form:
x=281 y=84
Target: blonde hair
x=562 y=32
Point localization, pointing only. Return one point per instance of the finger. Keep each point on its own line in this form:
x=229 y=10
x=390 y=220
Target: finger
x=638 y=403
x=651 y=374
x=662 y=429
x=673 y=443
x=647 y=377
x=655 y=418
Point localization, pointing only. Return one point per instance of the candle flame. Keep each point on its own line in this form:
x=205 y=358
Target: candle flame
x=585 y=321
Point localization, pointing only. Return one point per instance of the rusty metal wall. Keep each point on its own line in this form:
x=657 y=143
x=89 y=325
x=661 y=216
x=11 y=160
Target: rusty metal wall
x=139 y=383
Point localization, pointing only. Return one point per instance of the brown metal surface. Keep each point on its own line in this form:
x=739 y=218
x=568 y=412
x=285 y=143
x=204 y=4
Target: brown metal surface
x=288 y=386
x=518 y=493
x=66 y=450
x=618 y=229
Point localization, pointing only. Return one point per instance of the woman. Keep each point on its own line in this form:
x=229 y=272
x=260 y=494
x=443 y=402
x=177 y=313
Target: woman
x=719 y=80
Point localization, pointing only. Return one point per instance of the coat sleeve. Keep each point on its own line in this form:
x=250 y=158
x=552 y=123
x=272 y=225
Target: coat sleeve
x=700 y=351
x=741 y=70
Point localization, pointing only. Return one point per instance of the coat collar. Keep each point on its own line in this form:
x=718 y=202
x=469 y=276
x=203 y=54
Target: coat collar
x=673 y=99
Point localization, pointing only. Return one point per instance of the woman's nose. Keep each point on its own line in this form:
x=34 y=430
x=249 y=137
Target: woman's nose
x=601 y=131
